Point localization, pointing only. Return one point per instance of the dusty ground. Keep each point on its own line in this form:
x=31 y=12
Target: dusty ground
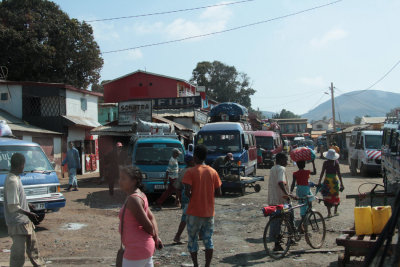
x=239 y=225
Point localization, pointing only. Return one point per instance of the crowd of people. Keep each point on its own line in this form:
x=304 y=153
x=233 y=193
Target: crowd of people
x=195 y=187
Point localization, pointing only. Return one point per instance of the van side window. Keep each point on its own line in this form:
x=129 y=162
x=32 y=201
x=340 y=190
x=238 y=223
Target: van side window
x=353 y=139
x=246 y=139
x=394 y=141
x=361 y=143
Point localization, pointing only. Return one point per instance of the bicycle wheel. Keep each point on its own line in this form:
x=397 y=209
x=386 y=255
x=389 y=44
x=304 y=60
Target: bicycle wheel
x=277 y=243
x=315 y=229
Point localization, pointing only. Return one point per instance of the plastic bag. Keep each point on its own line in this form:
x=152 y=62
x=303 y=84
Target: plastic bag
x=5 y=130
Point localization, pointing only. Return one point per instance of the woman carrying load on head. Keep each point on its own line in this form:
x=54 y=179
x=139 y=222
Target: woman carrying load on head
x=330 y=187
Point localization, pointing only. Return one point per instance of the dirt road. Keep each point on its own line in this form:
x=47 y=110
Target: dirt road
x=85 y=233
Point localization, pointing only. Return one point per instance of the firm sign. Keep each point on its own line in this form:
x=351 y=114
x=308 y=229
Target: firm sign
x=130 y=111
x=177 y=102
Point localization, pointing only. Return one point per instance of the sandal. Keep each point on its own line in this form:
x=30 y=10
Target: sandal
x=336 y=214
x=177 y=240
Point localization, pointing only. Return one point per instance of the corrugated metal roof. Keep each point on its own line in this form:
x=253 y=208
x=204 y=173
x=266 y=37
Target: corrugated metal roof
x=372 y=120
x=79 y=121
x=112 y=130
x=17 y=124
x=149 y=73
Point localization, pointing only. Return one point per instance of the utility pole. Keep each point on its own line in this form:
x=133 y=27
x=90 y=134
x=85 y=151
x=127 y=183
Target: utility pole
x=333 y=108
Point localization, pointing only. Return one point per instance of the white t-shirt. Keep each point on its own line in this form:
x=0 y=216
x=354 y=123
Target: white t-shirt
x=275 y=193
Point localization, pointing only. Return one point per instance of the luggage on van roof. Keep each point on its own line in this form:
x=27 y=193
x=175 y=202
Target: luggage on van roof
x=228 y=112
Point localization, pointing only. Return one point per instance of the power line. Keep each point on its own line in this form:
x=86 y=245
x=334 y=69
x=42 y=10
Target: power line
x=379 y=80
x=292 y=101
x=316 y=103
x=223 y=31
x=171 y=11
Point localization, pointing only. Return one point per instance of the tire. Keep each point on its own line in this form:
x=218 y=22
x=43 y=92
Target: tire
x=284 y=236
x=363 y=170
x=242 y=190
x=257 y=188
x=315 y=229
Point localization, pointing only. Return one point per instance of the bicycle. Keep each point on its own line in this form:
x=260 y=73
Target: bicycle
x=312 y=226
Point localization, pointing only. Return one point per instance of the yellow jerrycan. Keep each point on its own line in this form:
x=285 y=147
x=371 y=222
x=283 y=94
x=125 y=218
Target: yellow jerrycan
x=363 y=220
x=380 y=216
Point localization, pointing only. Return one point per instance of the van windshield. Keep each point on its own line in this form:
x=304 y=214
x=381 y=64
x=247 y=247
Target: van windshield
x=373 y=141
x=265 y=142
x=220 y=142
x=35 y=159
x=156 y=153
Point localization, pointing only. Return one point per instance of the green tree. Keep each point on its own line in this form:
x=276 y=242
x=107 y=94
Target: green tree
x=39 y=42
x=285 y=114
x=223 y=83
x=357 y=120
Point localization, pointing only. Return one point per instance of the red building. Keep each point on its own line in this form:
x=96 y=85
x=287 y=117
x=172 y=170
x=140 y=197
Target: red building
x=141 y=84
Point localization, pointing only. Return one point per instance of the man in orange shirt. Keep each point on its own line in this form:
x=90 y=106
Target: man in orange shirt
x=202 y=184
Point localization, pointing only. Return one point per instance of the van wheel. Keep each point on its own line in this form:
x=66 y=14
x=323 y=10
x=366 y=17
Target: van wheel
x=363 y=170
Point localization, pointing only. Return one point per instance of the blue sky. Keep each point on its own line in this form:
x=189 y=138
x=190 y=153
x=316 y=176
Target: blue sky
x=291 y=62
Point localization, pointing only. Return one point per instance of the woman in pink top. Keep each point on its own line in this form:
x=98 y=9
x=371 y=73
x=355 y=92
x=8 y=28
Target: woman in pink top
x=140 y=231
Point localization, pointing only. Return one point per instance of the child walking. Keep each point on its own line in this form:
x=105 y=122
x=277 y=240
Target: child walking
x=301 y=178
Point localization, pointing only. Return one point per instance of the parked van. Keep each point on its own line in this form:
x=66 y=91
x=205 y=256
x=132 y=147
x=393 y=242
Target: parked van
x=390 y=156
x=221 y=138
x=271 y=144
x=39 y=179
x=365 y=151
x=151 y=155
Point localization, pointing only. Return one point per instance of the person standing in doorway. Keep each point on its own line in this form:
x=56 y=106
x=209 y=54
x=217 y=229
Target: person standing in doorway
x=74 y=163
x=202 y=184
x=19 y=218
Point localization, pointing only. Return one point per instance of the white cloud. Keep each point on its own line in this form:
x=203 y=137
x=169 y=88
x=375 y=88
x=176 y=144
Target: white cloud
x=332 y=35
x=134 y=54
x=104 y=31
x=210 y=20
x=144 y=28
x=317 y=81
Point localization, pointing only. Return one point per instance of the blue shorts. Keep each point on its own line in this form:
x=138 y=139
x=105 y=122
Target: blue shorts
x=203 y=226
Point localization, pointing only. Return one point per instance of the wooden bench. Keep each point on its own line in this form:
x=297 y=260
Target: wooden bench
x=354 y=245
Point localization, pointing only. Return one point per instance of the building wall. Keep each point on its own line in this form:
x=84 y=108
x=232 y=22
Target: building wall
x=323 y=126
x=141 y=85
x=107 y=114
x=14 y=104
x=74 y=105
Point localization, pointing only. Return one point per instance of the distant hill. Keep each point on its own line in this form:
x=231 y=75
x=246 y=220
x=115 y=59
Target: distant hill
x=268 y=114
x=357 y=103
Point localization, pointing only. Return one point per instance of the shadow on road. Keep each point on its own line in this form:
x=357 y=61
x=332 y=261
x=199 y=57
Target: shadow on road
x=245 y=259
x=254 y=240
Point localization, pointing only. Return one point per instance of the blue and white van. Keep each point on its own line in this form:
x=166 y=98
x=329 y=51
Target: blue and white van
x=221 y=138
x=151 y=155
x=40 y=181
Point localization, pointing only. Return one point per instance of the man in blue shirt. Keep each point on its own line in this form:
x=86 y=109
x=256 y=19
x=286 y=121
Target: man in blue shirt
x=74 y=163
